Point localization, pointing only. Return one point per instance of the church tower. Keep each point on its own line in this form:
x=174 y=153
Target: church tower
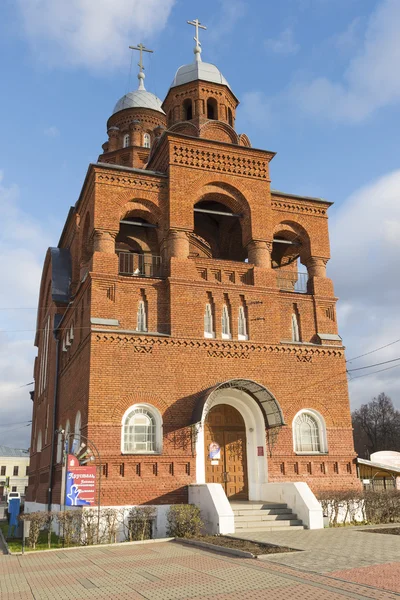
x=187 y=327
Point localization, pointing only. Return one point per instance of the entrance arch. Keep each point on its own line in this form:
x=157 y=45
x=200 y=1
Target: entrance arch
x=259 y=410
x=225 y=451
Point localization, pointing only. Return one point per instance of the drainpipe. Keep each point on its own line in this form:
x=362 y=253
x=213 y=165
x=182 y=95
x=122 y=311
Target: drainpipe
x=57 y=320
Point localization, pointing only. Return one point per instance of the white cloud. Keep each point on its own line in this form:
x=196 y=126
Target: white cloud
x=365 y=234
x=23 y=243
x=89 y=33
x=51 y=132
x=284 y=44
x=371 y=80
x=255 y=109
x=231 y=11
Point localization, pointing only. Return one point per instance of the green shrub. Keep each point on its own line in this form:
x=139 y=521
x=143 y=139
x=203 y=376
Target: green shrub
x=140 y=523
x=184 y=520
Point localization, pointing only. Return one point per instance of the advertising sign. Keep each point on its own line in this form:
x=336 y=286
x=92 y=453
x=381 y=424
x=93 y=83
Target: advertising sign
x=81 y=484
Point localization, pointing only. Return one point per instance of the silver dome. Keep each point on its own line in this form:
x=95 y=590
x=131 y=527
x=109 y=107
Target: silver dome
x=139 y=99
x=199 y=70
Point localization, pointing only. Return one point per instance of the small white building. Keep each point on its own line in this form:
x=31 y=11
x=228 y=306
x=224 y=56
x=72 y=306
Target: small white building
x=14 y=466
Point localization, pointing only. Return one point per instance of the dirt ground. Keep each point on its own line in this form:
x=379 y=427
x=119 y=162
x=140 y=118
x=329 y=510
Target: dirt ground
x=253 y=547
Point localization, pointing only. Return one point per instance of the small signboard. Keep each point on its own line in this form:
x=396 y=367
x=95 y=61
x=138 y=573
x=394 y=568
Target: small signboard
x=81 y=484
x=260 y=450
x=214 y=451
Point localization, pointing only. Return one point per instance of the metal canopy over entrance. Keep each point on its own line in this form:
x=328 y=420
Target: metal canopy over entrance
x=271 y=410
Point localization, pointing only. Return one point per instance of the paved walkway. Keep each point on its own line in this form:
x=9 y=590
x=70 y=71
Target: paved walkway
x=169 y=571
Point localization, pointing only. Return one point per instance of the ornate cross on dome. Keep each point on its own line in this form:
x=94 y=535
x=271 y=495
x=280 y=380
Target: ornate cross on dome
x=141 y=74
x=197 y=51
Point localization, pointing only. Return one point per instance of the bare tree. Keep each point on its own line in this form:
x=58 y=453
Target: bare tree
x=376 y=426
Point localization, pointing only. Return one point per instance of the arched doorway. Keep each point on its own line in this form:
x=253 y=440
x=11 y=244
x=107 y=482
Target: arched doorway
x=258 y=409
x=226 y=451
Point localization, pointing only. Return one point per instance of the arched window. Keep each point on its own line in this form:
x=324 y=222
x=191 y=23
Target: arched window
x=212 y=109
x=226 y=326
x=146 y=140
x=39 y=442
x=309 y=433
x=187 y=110
x=127 y=140
x=208 y=322
x=141 y=430
x=242 y=324
x=141 y=317
x=295 y=328
x=59 y=444
x=77 y=431
x=230 y=117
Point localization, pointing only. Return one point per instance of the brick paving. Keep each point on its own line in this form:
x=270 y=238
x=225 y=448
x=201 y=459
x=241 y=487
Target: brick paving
x=169 y=571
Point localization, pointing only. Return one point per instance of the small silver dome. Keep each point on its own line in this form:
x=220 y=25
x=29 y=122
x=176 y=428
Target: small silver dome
x=199 y=70
x=139 y=99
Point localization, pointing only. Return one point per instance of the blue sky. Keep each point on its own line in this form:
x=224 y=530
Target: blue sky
x=318 y=82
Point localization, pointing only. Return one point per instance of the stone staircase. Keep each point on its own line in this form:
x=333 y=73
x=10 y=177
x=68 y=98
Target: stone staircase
x=263 y=516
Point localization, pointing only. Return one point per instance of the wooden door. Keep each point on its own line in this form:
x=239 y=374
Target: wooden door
x=225 y=426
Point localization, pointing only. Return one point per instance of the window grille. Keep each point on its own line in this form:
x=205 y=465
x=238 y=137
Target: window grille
x=242 y=325
x=295 y=328
x=146 y=140
x=141 y=317
x=307 y=434
x=208 y=322
x=139 y=431
x=127 y=140
x=226 y=327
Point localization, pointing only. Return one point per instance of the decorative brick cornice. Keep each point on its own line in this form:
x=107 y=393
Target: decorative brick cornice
x=298 y=207
x=219 y=162
x=222 y=348
x=146 y=183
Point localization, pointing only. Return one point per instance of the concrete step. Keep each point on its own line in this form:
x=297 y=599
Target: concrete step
x=262 y=511
x=268 y=525
x=288 y=516
x=256 y=505
x=246 y=533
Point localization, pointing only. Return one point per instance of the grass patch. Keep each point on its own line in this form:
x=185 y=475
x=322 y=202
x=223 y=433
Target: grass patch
x=255 y=548
x=15 y=544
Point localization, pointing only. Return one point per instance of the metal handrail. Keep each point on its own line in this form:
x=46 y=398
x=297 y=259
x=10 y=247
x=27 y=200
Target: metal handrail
x=292 y=281
x=134 y=264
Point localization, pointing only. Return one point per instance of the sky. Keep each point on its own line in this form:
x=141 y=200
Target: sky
x=319 y=84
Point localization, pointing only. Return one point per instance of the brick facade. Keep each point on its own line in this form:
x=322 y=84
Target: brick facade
x=106 y=366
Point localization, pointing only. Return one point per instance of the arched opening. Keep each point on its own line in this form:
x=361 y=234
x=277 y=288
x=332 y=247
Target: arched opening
x=230 y=117
x=212 y=109
x=137 y=247
x=126 y=140
x=225 y=451
x=259 y=410
x=290 y=250
x=217 y=232
x=85 y=241
x=187 y=109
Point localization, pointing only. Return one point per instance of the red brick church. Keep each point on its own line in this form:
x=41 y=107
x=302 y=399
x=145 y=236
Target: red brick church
x=186 y=324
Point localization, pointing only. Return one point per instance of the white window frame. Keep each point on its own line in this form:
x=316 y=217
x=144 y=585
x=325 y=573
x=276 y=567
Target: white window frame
x=44 y=357
x=146 y=140
x=126 y=141
x=209 y=322
x=295 y=328
x=226 y=323
x=141 y=323
x=39 y=445
x=242 y=324
x=156 y=415
x=322 y=438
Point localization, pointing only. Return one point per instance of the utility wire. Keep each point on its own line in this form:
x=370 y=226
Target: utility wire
x=374 y=365
x=375 y=350
x=374 y=372
x=17 y=423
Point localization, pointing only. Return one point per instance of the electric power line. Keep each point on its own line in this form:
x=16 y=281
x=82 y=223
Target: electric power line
x=375 y=350
x=374 y=372
x=374 y=365
x=16 y=423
